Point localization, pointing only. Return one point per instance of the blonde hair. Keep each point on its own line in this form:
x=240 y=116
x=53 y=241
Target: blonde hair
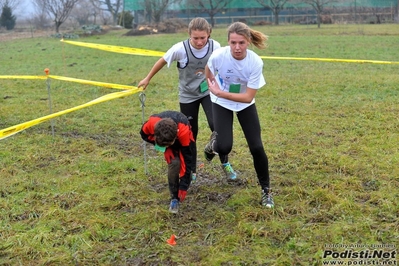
x=200 y=24
x=255 y=37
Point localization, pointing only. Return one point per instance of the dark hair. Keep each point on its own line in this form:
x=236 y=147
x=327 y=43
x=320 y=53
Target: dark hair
x=255 y=37
x=165 y=131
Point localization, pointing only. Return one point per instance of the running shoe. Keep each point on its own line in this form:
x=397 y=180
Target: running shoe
x=208 y=151
x=174 y=206
x=267 y=199
x=229 y=171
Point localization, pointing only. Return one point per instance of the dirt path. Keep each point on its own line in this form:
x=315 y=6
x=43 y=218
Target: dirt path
x=13 y=35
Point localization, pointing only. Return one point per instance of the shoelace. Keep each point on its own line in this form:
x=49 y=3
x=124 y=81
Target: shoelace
x=267 y=197
x=228 y=168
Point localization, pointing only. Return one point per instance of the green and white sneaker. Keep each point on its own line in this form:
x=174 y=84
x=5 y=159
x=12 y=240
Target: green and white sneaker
x=267 y=198
x=193 y=177
x=229 y=171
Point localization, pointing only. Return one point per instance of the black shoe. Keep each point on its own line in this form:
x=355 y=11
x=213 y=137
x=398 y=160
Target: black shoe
x=208 y=151
x=267 y=199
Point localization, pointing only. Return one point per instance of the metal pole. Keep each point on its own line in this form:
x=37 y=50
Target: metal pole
x=142 y=100
x=47 y=71
x=355 y=13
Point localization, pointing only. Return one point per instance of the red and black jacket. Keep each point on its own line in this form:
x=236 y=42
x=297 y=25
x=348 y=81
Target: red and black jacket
x=180 y=148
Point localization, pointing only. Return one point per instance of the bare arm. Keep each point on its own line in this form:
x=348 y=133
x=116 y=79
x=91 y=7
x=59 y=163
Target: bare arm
x=213 y=86
x=154 y=70
x=209 y=75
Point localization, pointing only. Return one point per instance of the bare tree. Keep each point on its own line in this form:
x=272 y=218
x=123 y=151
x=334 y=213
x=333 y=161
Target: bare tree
x=154 y=9
x=397 y=12
x=112 y=6
x=318 y=6
x=105 y=17
x=211 y=7
x=83 y=11
x=59 y=10
x=40 y=18
x=12 y=4
x=275 y=5
x=376 y=11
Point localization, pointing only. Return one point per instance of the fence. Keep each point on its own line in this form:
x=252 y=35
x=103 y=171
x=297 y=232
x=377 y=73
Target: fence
x=351 y=11
x=368 y=18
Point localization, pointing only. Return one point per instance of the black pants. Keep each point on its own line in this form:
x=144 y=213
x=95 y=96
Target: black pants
x=173 y=177
x=191 y=110
x=249 y=121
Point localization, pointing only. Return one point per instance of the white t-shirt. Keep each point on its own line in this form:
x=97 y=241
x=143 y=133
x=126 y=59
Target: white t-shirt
x=233 y=75
x=178 y=53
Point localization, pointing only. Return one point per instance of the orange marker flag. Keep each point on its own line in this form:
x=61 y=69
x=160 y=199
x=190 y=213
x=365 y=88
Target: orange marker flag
x=172 y=240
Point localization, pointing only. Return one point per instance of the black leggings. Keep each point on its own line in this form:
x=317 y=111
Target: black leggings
x=249 y=121
x=173 y=177
x=191 y=110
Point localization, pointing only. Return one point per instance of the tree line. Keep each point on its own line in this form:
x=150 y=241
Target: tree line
x=112 y=11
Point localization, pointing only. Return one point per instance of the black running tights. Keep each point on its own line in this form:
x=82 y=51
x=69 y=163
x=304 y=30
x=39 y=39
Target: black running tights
x=249 y=121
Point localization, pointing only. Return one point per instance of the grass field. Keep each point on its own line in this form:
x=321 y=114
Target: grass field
x=83 y=197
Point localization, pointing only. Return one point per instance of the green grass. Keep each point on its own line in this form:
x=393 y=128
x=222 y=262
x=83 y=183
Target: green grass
x=82 y=197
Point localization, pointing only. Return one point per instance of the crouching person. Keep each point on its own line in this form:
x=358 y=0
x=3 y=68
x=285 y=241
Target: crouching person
x=170 y=132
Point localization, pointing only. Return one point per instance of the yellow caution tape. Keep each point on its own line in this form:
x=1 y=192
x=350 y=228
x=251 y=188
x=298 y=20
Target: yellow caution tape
x=117 y=49
x=137 y=51
x=20 y=127
x=96 y=83
x=330 y=60
x=23 y=77
x=82 y=81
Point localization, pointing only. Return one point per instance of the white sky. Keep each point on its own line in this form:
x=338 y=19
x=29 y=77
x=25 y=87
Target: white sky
x=24 y=9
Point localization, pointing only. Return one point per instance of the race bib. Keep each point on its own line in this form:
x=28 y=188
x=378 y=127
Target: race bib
x=235 y=88
x=204 y=86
